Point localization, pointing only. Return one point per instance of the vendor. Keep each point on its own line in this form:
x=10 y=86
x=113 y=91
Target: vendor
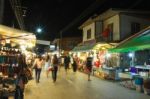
x=21 y=80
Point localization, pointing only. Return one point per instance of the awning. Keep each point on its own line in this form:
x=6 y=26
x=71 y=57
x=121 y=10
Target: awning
x=83 y=47
x=17 y=36
x=104 y=46
x=139 y=41
x=97 y=46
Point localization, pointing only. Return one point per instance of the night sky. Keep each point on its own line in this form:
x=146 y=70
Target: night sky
x=55 y=15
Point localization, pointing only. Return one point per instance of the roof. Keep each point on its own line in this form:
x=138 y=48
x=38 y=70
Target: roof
x=83 y=47
x=16 y=35
x=96 y=46
x=139 y=41
x=109 y=13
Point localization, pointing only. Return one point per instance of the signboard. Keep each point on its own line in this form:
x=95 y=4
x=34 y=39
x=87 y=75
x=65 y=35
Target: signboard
x=52 y=47
x=42 y=42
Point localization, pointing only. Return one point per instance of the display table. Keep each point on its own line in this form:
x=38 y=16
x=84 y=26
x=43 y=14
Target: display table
x=143 y=70
x=127 y=79
x=127 y=75
x=110 y=73
x=143 y=67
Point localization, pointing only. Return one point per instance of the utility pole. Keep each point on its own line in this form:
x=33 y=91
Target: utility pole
x=1 y=10
x=60 y=43
x=17 y=8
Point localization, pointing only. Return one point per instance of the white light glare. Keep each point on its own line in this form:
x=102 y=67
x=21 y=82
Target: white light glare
x=39 y=30
x=23 y=48
x=130 y=54
x=108 y=55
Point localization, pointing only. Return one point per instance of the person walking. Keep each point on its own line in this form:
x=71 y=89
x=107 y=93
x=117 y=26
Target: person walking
x=55 y=63
x=89 y=66
x=66 y=62
x=20 y=85
x=38 y=67
x=47 y=65
x=74 y=63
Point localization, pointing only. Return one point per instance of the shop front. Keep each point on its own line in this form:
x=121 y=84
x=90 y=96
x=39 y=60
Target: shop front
x=102 y=60
x=133 y=48
x=82 y=51
x=107 y=64
x=135 y=55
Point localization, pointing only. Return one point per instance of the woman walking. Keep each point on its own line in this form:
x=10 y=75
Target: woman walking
x=55 y=63
x=47 y=65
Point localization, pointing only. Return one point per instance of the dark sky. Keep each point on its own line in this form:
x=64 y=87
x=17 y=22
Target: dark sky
x=54 y=15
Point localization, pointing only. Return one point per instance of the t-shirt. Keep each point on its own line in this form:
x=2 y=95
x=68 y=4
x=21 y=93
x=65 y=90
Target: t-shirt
x=89 y=62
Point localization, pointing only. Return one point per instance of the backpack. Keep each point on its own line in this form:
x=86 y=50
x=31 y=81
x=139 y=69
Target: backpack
x=89 y=62
x=55 y=61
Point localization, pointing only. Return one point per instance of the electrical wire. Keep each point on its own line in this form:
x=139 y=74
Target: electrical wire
x=17 y=12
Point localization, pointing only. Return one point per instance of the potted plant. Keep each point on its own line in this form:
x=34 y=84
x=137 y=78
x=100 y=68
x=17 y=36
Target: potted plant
x=139 y=84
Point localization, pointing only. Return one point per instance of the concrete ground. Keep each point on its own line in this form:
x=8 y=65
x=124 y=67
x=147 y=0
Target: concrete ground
x=75 y=86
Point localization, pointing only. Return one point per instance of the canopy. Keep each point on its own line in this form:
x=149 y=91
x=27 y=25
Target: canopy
x=17 y=36
x=83 y=47
x=139 y=41
x=97 y=46
x=104 y=45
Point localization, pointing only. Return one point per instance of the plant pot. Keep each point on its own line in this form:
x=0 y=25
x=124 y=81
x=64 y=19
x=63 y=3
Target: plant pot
x=147 y=83
x=146 y=91
x=139 y=81
x=139 y=88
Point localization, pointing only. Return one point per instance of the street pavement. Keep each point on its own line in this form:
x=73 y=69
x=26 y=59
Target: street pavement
x=76 y=86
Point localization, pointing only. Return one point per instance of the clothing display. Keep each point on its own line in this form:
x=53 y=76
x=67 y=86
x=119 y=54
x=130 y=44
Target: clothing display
x=12 y=63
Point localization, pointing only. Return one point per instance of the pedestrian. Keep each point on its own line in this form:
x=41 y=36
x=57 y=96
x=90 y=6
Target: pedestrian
x=47 y=65
x=89 y=66
x=66 y=62
x=74 y=63
x=21 y=80
x=55 y=63
x=38 y=68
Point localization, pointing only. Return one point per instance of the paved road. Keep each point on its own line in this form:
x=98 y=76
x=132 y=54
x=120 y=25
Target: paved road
x=76 y=86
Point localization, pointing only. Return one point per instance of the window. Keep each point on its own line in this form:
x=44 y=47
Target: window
x=110 y=26
x=88 y=33
x=135 y=27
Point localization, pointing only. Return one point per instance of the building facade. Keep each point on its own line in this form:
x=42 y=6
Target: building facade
x=114 y=25
x=106 y=30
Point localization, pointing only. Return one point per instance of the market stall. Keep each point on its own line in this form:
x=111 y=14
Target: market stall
x=107 y=62
x=82 y=51
x=134 y=47
x=103 y=62
x=135 y=55
x=13 y=45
